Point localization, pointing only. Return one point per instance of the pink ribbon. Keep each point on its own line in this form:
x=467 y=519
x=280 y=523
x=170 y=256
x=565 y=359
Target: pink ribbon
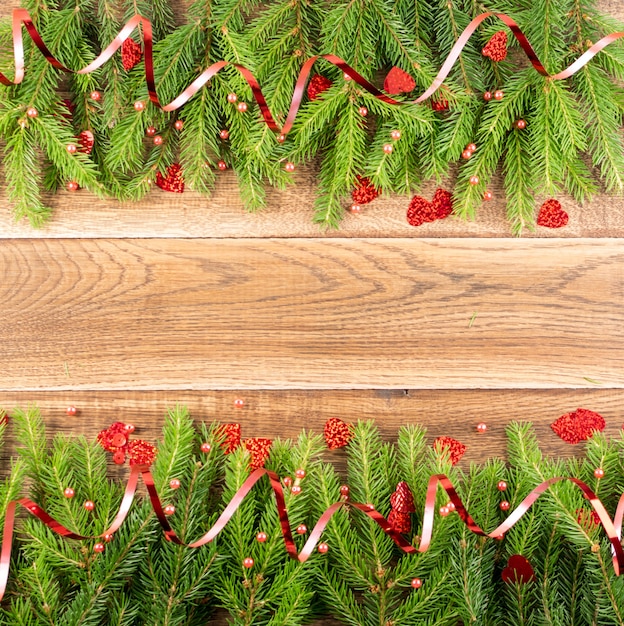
x=21 y=16
x=613 y=528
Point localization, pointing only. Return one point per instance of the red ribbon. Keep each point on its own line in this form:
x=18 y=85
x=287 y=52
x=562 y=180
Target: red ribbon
x=613 y=528
x=22 y=16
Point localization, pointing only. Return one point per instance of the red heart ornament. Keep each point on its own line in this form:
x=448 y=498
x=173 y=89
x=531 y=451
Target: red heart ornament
x=420 y=210
x=398 y=81
x=552 y=215
x=518 y=570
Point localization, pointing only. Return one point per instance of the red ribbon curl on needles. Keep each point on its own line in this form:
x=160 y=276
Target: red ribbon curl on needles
x=613 y=528
x=21 y=16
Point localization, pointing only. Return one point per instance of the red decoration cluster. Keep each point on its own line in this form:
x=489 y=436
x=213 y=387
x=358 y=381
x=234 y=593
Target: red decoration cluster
x=364 y=192
x=86 y=141
x=231 y=435
x=174 y=181
x=130 y=54
x=259 y=449
x=496 y=47
x=317 y=85
x=552 y=215
x=337 y=433
x=440 y=105
x=451 y=447
x=420 y=210
x=402 y=503
x=578 y=426
x=115 y=439
x=398 y=81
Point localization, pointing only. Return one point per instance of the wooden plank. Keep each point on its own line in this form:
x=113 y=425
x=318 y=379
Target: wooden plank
x=350 y=314
x=289 y=214
x=270 y=413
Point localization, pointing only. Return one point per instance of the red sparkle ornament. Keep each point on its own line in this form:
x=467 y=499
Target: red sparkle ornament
x=504 y=505
x=300 y=474
x=552 y=215
x=95 y=96
x=323 y=548
x=242 y=107
x=89 y=505
x=587 y=519
x=173 y=181
x=72 y=185
x=261 y=537
x=69 y=492
x=259 y=448
x=224 y=134
x=398 y=81
x=364 y=191
x=420 y=210
x=205 y=447
x=363 y=111
x=178 y=124
x=440 y=105
x=442 y=203
x=231 y=436
x=248 y=562
x=518 y=570
x=578 y=426
x=481 y=427
x=222 y=165
x=32 y=112
x=141 y=452
x=71 y=148
x=599 y=472
x=317 y=85
x=452 y=448
x=71 y=411
x=169 y=509
x=174 y=483
x=502 y=485
x=337 y=433
x=302 y=529
x=496 y=47
x=131 y=54
x=416 y=583
x=86 y=141
x=401 y=522
x=139 y=105
x=98 y=547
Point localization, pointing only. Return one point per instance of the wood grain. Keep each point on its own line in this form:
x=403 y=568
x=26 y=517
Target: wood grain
x=272 y=414
x=231 y=314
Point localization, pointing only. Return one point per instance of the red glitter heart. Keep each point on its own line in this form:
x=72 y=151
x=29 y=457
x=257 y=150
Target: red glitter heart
x=401 y=522
x=130 y=54
x=578 y=426
x=442 y=203
x=259 y=449
x=398 y=81
x=364 y=191
x=231 y=436
x=337 y=433
x=551 y=215
x=174 y=181
x=317 y=85
x=420 y=210
x=496 y=47
x=518 y=570
x=447 y=446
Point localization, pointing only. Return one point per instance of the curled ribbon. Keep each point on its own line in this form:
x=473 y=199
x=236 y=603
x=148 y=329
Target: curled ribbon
x=21 y=16
x=613 y=528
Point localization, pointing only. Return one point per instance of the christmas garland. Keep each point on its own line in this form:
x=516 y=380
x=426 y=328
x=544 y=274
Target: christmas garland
x=536 y=125
x=544 y=555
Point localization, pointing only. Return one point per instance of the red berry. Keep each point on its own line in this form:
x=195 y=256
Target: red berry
x=72 y=185
x=178 y=124
x=129 y=428
x=98 y=547
x=242 y=107
x=108 y=537
x=488 y=195
x=323 y=548
x=261 y=537
x=521 y=124
x=224 y=134
x=295 y=490
x=396 y=135
x=355 y=208
x=71 y=411
x=504 y=505
x=139 y=105
x=281 y=138
x=487 y=96
x=169 y=509
x=248 y=562
x=474 y=180
x=205 y=447
x=32 y=112
x=388 y=148
x=174 y=483
x=239 y=403
x=71 y=148
x=472 y=147
x=499 y=94
x=158 y=140
x=69 y=492
x=444 y=511
x=502 y=485
x=363 y=111
x=599 y=472
x=481 y=427
x=150 y=131
x=416 y=583
x=302 y=529
x=222 y=165
x=466 y=154
x=344 y=491
x=89 y=505
x=289 y=167
x=95 y=95
x=346 y=76
x=288 y=481
x=232 y=97
x=450 y=506
x=300 y=473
